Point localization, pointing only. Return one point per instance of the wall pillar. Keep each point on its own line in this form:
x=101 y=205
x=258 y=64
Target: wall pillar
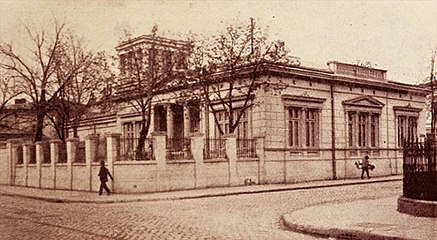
x=39 y=159
x=54 y=158
x=26 y=160
x=197 y=143
x=170 y=130
x=231 y=153
x=71 y=157
x=112 y=152
x=90 y=155
x=12 y=146
x=159 y=151
x=260 y=152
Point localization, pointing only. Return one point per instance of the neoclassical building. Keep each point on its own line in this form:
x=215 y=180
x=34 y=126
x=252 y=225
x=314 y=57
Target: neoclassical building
x=315 y=127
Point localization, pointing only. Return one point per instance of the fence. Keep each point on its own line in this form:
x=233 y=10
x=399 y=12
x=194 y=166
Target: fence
x=80 y=152
x=62 y=156
x=129 y=149
x=420 y=171
x=214 y=148
x=178 y=148
x=246 y=148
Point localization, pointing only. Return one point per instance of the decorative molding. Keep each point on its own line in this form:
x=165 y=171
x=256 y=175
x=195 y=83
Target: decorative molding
x=363 y=102
x=302 y=98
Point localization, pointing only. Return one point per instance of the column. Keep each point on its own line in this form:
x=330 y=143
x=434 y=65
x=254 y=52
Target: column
x=71 y=157
x=152 y=119
x=197 y=142
x=159 y=143
x=187 y=121
x=39 y=158
x=112 y=152
x=260 y=144
x=26 y=159
x=170 y=131
x=54 y=158
x=231 y=153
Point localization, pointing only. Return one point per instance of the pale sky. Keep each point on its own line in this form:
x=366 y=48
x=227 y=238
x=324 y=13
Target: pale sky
x=399 y=36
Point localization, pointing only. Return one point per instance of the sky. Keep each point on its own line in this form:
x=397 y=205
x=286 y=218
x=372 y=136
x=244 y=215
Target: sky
x=399 y=36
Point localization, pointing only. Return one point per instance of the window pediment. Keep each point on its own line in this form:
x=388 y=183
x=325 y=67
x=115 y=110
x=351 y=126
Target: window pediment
x=407 y=110
x=363 y=102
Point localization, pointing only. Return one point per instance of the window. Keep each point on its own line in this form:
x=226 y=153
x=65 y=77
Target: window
x=242 y=130
x=293 y=126
x=303 y=125
x=129 y=135
x=350 y=128
x=407 y=129
x=311 y=127
x=362 y=129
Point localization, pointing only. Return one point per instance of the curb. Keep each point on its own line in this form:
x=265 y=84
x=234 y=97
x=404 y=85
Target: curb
x=334 y=232
x=208 y=195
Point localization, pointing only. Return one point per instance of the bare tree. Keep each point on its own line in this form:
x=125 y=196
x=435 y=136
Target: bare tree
x=218 y=67
x=147 y=70
x=43 y=68
x=8 y=113
x=82 y=88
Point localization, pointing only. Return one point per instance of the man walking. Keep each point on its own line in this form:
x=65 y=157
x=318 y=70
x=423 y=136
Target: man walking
x=103 y=174
x=365 y=167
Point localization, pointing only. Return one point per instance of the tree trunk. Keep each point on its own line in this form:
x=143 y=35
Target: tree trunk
x=145 y=124
x=39 y=124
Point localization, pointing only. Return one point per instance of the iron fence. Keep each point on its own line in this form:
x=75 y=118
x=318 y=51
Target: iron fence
x=214 y=148
x=32 y=154
x=46 y=152
x=62 y=155
x=178 y=148
x=246 y=148
x=20 y=155
x=420 y=171
x=129 y=150
x=80 y=152
x=101 y=150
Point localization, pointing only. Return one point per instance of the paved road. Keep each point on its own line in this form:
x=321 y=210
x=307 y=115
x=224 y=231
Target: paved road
x=252 y=216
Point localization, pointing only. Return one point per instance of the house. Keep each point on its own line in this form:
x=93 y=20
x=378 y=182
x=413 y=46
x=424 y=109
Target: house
x=321 y=120
x=304 y=124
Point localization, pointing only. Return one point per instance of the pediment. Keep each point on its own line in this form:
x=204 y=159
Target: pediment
x=408 y=108
x=364 y=101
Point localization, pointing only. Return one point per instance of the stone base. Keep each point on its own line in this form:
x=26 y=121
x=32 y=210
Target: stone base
x=419 y=208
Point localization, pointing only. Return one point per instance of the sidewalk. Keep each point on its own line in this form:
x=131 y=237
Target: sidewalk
x=370 y=219
x=66 y=196
x=366 y=219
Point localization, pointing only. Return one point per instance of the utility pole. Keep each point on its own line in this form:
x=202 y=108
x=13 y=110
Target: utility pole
x=433 y=117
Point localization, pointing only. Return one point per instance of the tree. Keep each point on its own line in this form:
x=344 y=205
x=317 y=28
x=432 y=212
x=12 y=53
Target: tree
x=147 y=69
x=8 y=91
x=241 y=50
x=80 y=92
x=45 y=68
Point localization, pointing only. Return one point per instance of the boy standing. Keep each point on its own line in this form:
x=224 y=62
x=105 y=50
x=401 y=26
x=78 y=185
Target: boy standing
x=365 y=167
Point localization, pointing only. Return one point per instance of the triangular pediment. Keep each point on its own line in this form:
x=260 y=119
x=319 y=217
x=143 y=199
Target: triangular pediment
x=364 y=101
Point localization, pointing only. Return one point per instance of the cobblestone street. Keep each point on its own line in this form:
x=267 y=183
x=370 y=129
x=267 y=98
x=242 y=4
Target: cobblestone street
x=251 y=216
